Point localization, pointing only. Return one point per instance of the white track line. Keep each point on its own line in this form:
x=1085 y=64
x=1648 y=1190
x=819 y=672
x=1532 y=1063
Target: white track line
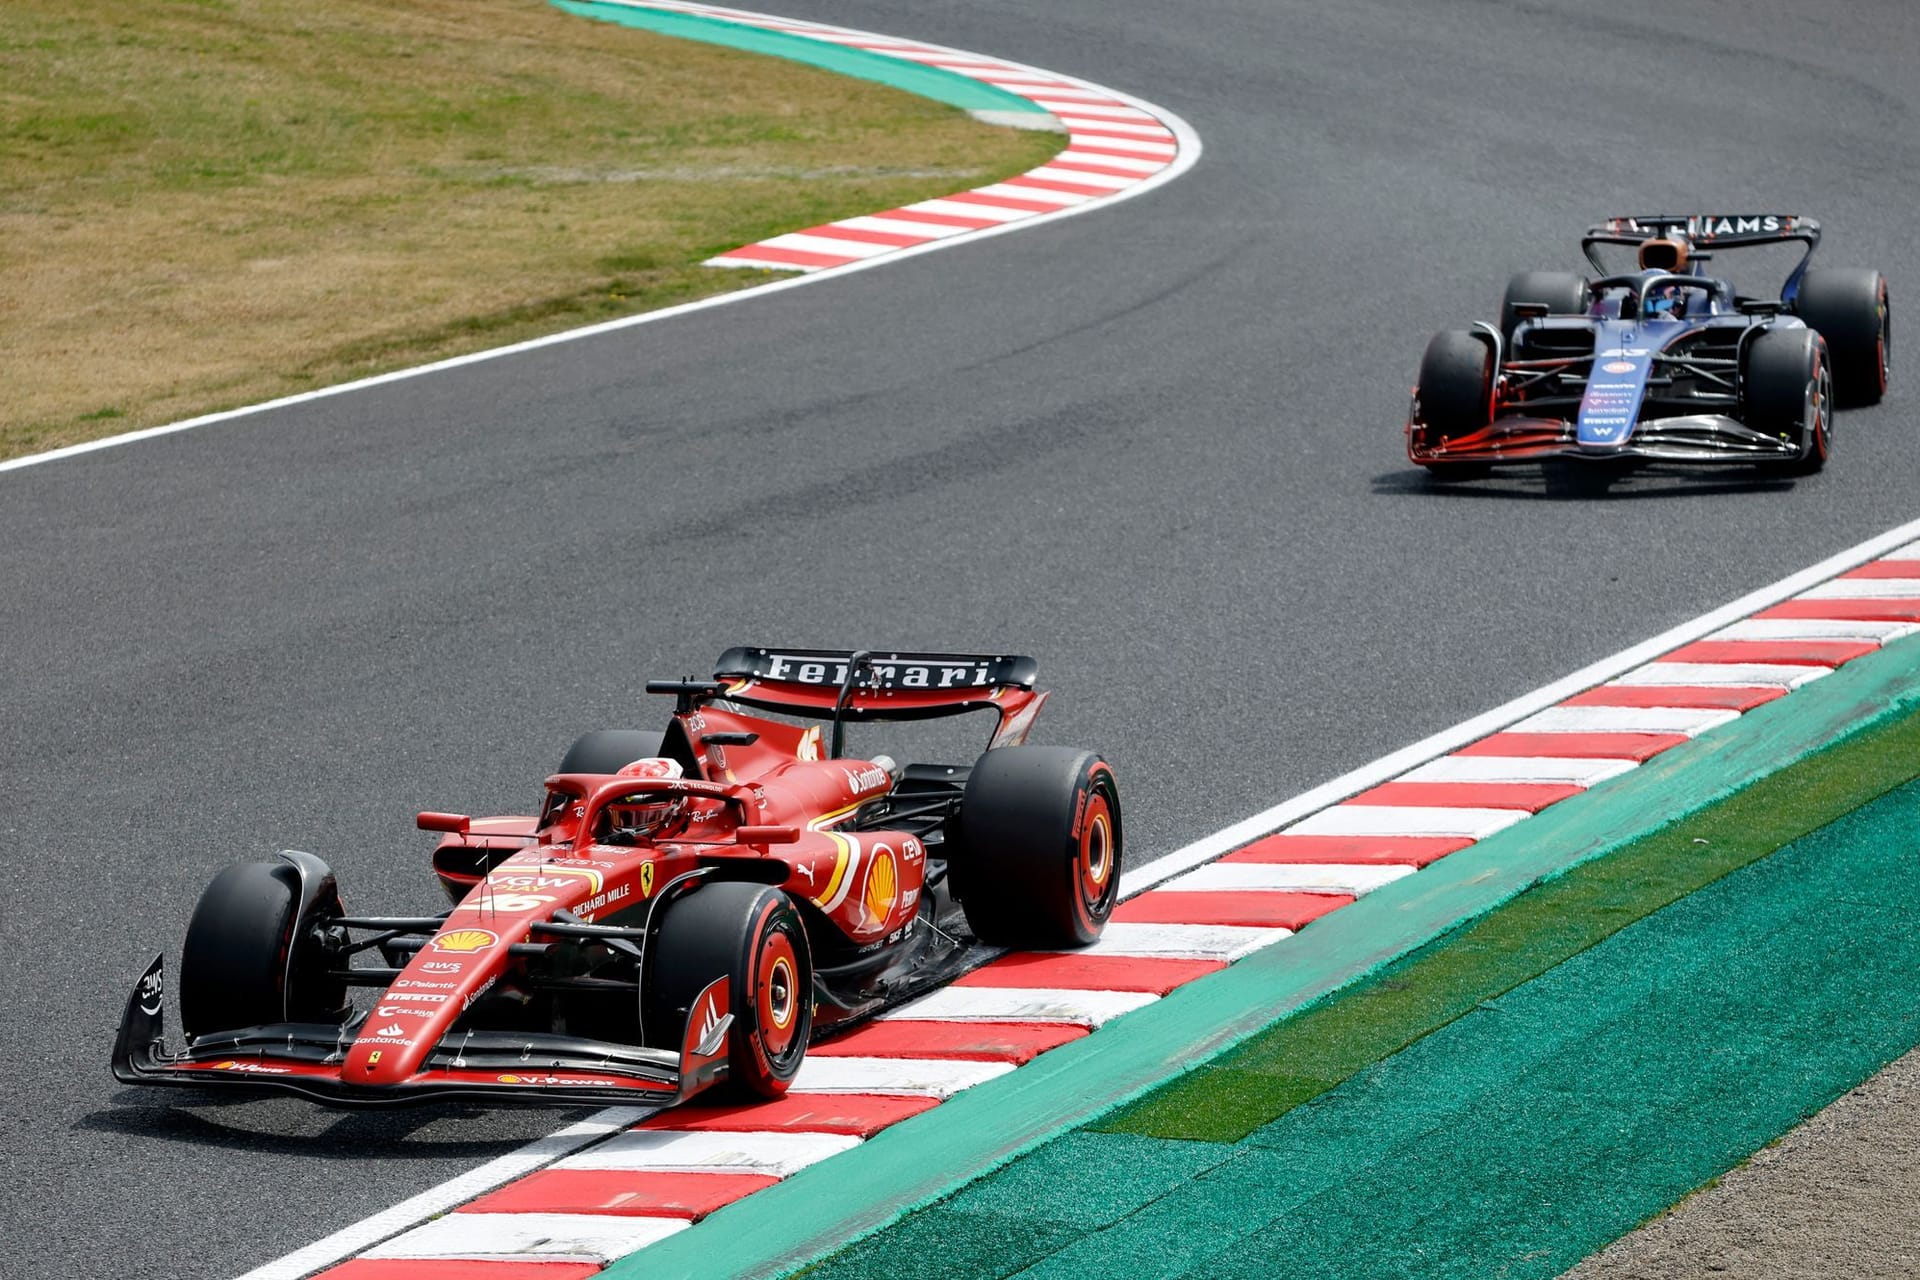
x=1580 y=772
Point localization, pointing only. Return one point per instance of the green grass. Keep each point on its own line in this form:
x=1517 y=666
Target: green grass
x=207 y=203
x=1315 y=1051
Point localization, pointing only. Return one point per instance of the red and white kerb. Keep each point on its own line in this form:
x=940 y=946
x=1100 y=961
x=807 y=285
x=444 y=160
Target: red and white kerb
x=1116 y=145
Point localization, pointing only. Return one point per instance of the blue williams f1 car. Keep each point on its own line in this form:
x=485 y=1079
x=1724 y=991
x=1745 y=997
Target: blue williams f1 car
x=1665 y=363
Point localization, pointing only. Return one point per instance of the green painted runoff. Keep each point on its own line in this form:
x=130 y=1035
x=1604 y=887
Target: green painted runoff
x=928 y=82
x=1528 y=1120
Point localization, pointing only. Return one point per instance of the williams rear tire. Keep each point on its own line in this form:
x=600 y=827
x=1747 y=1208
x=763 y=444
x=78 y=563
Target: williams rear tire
x=1039 y=857
x=752 y=935
x=1561 y=292
x=249 y=959
x=1849 y=309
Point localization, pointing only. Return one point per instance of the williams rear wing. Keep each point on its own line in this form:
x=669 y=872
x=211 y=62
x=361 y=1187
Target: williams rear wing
x=1709 y=231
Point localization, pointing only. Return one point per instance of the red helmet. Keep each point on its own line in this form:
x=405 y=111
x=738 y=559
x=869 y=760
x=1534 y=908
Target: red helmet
x=646 y=813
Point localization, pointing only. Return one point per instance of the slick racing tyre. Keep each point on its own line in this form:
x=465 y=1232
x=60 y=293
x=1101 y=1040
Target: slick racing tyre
x=1038 y=862
x=1787 y=391
x=1455 y=392
x=249 y=959
x=1849 y=309
x=1561 y=292
x=752 y=935
x=609 y=750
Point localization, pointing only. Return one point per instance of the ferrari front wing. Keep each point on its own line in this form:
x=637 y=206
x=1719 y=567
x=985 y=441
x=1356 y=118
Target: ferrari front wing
x=502 y=1067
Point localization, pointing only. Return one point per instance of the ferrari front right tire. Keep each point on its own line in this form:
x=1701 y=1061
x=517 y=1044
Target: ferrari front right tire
x=752 y=935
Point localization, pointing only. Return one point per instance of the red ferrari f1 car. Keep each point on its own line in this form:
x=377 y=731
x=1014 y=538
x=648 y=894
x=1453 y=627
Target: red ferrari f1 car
x=687 y=909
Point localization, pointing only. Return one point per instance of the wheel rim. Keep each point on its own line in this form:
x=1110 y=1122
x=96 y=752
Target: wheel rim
x=1885 y=345
x=1095 y=857
x=1819 y=411
x=777 y=995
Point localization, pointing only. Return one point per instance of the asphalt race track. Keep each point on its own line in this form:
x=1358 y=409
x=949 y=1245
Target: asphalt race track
x=1158 y=447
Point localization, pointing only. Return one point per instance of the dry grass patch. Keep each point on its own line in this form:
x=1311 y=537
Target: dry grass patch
x=206 y=203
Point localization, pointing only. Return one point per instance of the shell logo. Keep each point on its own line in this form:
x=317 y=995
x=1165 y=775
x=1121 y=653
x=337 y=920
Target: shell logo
x=883 y=884
x=465 y=941
x=809 y=744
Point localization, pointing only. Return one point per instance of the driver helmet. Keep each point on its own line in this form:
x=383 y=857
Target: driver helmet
x=646 y=814
x=1664 y=253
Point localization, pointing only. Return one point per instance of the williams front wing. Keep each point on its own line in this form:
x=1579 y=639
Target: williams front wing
x=1696 y=438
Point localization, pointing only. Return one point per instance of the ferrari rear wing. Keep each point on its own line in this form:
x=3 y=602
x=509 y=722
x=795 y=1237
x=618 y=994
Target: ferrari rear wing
x=872 y=685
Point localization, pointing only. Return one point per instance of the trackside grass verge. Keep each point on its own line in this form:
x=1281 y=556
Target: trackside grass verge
x=209 y=203
x=1307 y=1055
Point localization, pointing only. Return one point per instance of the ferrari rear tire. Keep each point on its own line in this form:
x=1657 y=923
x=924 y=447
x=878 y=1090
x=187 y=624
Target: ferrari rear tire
x=609 y=750
x=249 y=959
x=1039 y=847
x=1561 y=292
x=1849 y=309
x=752 y=935
x=1787 y=391
x=1456 y=385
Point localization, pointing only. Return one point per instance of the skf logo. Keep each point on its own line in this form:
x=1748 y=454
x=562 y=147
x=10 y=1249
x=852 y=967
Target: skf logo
x=465 y=941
